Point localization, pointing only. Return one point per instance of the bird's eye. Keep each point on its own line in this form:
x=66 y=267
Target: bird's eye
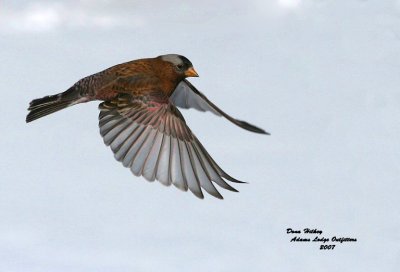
x=180 y=66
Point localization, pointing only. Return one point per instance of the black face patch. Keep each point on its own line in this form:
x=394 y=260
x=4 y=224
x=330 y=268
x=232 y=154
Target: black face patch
x=181 y=63
x=185 y=61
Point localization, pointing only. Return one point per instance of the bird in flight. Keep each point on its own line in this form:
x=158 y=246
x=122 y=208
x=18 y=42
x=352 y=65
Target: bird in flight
x=140 y=121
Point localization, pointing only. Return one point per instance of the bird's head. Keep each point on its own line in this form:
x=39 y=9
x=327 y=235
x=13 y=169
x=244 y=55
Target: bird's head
x=180 y=65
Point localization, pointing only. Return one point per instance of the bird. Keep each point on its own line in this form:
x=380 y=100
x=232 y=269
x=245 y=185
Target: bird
x=140 y=121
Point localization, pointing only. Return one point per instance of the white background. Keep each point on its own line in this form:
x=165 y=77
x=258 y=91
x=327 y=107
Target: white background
x=321 y=75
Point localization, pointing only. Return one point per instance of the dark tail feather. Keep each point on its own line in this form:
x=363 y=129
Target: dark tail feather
x=44 y=106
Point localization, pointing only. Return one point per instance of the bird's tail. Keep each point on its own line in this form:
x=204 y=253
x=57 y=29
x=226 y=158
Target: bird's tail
x=44 y=106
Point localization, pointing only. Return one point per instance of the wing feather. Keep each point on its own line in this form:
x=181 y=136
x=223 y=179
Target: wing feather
x=153 y=140
x=143 y=152
x=176 y=170
x=187 y=96
x=163 y=164
x=149 y=166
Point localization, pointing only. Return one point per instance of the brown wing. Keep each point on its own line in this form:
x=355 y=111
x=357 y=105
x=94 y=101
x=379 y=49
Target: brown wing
x=187 y=96
x=153 y=140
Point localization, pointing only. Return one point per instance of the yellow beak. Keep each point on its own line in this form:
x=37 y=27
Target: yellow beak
x=191 y=72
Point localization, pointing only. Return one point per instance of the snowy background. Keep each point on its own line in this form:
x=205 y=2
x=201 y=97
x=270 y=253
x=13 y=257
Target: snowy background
x=321 y=75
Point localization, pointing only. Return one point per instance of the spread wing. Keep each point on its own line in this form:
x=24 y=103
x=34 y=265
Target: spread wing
x=187 y=96
x=153 y=140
